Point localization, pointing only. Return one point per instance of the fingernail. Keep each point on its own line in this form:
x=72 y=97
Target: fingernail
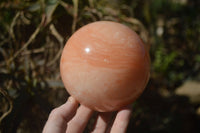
x=71 y=99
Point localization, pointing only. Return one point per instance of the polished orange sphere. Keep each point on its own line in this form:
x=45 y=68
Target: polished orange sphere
x=105 y=66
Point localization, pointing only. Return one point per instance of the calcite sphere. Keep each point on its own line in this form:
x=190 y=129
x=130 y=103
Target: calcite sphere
x=105 y=66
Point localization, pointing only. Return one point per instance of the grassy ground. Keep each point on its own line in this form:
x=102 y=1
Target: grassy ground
x=33 y=33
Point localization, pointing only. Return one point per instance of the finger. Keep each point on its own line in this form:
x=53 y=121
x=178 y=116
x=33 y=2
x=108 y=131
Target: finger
x=102 y=122
x=79 y=122
x=58 y=118
x=121 y=121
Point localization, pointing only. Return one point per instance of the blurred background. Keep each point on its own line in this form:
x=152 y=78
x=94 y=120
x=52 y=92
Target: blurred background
x=34 y=32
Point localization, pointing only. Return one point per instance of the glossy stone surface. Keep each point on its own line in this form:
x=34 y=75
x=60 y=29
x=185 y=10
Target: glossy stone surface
x=105 y=66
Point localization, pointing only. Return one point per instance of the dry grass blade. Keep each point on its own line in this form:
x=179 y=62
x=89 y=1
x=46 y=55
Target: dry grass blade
x=49 y=10
x=75 y=15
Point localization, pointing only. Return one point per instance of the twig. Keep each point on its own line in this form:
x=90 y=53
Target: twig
x=75 y=15
x=60 y=40
x=66 y=6
x=4 y=41
x=56 y=34
x=91 y=2
x=6 y=95
x=35 y=33
x=12 y=26
x=2 y=51
x=32 y=37
x=34 y=51
x=144 y=32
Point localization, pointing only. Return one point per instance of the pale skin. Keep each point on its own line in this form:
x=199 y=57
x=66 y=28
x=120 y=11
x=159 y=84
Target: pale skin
x=72 y=118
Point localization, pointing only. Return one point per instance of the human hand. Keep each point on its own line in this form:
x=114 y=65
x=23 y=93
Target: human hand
x=69 y=118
